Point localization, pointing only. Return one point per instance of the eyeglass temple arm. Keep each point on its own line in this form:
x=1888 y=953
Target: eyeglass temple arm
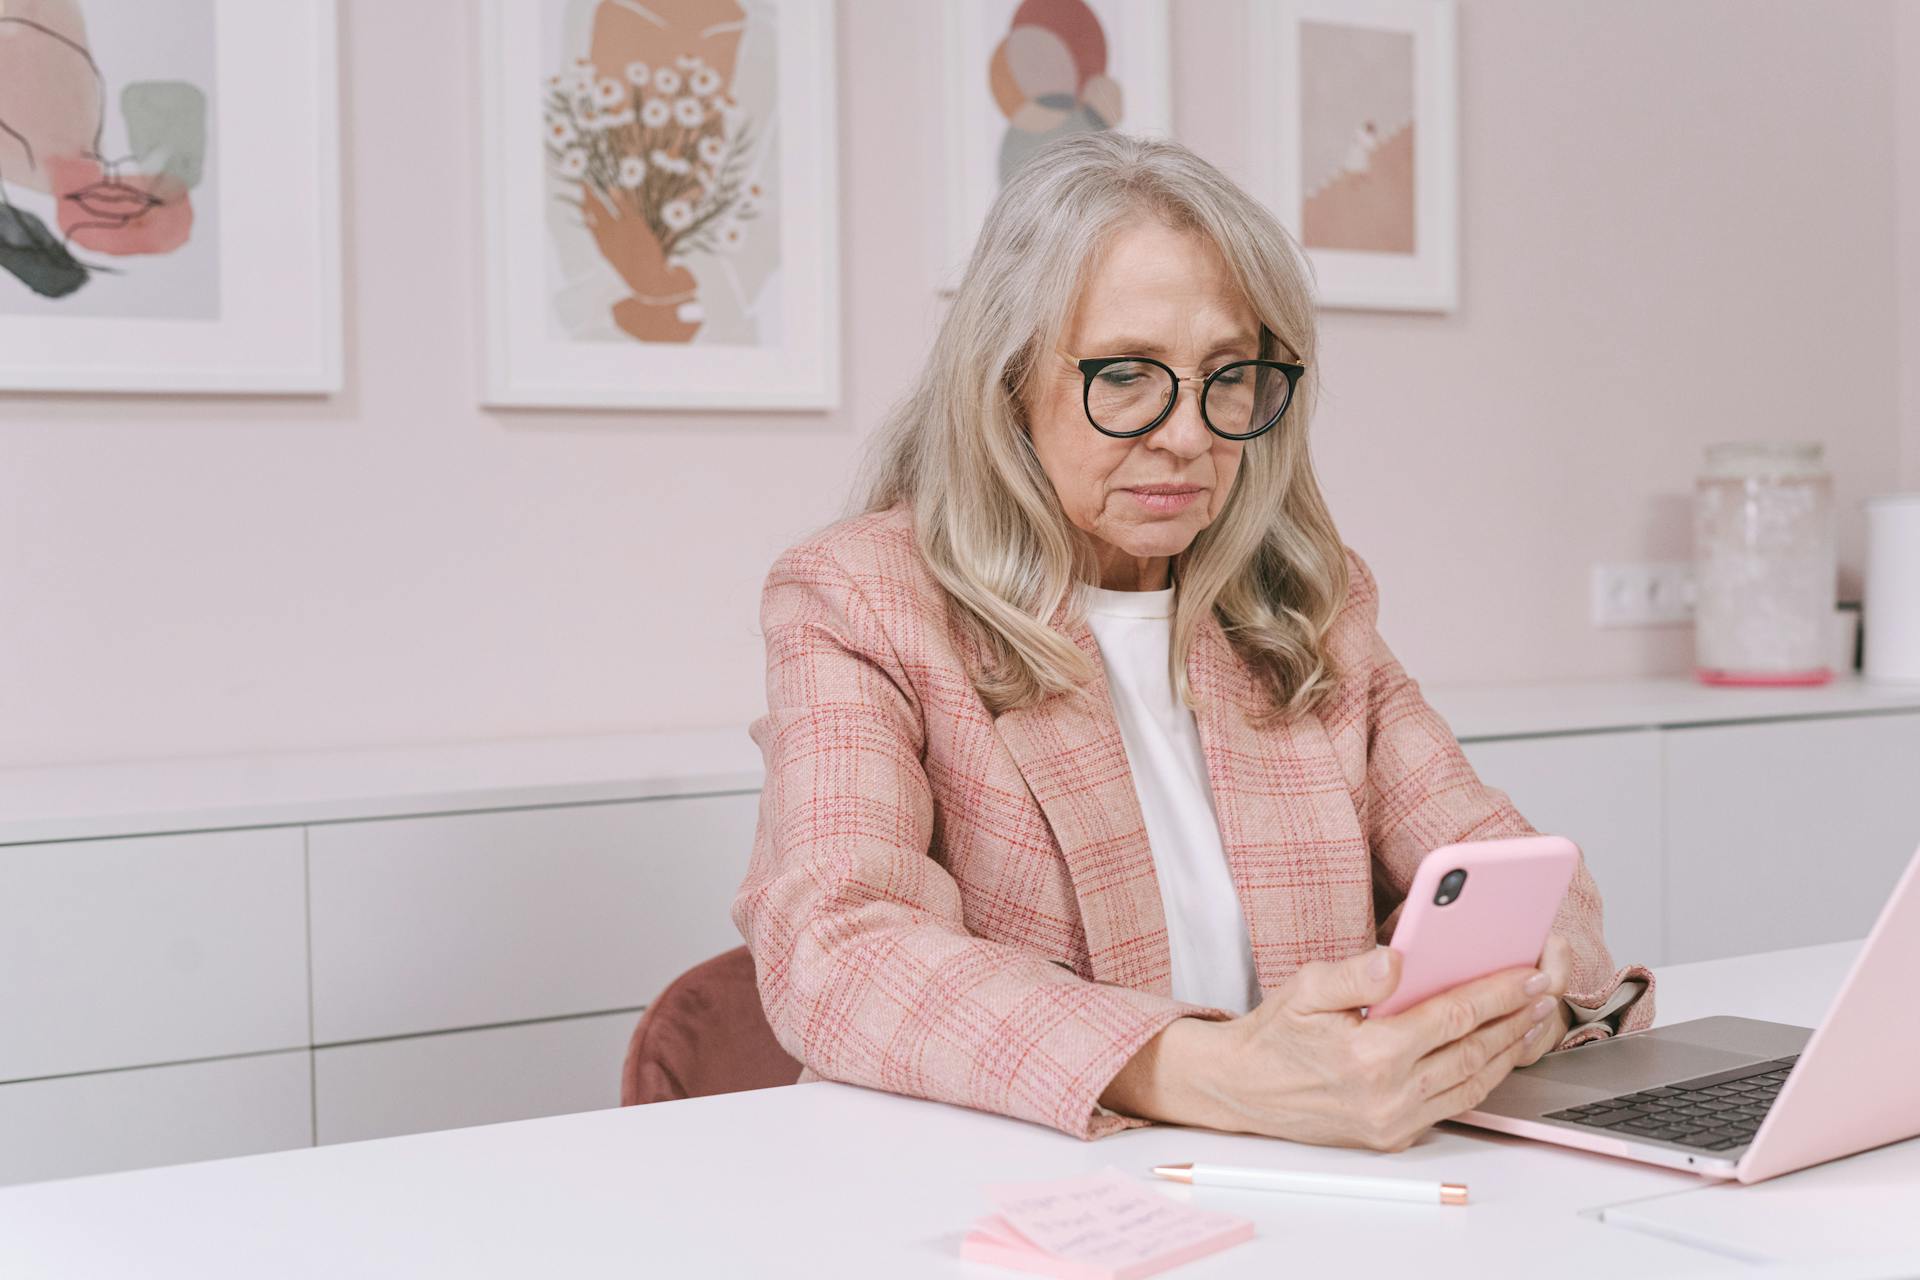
x=1072 y=361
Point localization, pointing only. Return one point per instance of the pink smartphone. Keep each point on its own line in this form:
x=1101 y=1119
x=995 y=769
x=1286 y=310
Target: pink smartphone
x=1475 y=909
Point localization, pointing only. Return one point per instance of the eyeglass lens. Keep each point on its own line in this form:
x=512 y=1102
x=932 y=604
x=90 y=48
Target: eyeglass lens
x=1242 y=397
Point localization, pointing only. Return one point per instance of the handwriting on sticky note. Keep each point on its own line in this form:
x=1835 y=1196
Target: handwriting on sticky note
x=1113 y=1223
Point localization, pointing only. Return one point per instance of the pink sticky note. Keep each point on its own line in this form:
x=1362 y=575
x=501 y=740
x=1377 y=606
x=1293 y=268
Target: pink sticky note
x=1098 y=1226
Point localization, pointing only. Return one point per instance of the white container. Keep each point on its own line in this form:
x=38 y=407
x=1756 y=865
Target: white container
x=1892 y=598
x=1764 y=563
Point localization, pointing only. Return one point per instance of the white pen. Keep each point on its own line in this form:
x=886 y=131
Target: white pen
x=1315 y=1184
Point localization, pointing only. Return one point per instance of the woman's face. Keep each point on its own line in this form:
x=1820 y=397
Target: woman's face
x=1161 y=292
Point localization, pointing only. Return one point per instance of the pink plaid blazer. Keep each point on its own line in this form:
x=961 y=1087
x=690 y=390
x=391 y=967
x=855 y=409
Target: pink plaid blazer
x=953 y=906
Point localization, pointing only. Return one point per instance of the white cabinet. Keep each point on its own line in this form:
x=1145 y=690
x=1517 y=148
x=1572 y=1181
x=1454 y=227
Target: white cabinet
x=118 y=953
x=465 y=1078
x=114 y=1120
x=1602 y=791
x=1786 y=834
x=477 y=919
x=486 y=920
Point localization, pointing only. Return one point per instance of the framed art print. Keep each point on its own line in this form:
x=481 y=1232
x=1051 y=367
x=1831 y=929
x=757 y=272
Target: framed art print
x=1021 y=73
x=659 y=204
x=1362 y=160
x=169 y=196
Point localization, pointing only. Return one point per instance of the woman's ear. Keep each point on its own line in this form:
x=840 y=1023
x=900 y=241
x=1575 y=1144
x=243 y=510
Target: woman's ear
x=1017 y=406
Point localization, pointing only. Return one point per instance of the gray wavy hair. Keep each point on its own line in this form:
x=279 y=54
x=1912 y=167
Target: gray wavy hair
x=987 y=520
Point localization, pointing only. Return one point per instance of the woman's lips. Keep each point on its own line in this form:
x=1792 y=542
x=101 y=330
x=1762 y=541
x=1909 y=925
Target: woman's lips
x=1165 y=498
x=114 y=202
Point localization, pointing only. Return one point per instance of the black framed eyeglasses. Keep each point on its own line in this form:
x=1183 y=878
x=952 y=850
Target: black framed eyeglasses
x=1127 y=396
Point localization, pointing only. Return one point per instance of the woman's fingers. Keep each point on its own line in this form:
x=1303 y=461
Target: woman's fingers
x=1450 y=1065
x=1556 y=961
x=1553 y=1031
x=1472 y=1089
x=1456 y=1014
x=1323 y=986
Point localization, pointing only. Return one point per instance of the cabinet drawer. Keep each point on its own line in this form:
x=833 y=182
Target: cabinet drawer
x=1601 y=791
x=426 y=924
x=117 y=953
x=462 y=1078
x=1786 y=834
x=157 y=1115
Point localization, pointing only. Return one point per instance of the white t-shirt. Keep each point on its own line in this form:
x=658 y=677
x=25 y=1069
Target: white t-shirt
x=1206 y=929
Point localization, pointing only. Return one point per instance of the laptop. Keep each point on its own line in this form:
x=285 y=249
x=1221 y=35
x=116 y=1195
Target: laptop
x=1739 y=1098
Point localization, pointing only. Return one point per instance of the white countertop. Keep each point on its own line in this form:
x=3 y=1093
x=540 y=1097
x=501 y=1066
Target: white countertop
x=74 y=802
x=1527 y=710
x=86 y=801
x=831 y=1180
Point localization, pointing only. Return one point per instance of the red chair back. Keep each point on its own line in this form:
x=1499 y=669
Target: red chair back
x=706 y=1034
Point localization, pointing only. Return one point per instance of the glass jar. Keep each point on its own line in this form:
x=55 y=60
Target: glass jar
x=1764 y=564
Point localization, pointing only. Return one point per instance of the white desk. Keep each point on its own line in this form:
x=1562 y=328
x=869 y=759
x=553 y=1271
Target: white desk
x=829 y=1180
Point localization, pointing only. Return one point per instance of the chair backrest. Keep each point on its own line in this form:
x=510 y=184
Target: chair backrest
x=706 y=1034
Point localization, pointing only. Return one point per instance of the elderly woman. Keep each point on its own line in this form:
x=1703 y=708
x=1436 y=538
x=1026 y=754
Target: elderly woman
x=1090 y=785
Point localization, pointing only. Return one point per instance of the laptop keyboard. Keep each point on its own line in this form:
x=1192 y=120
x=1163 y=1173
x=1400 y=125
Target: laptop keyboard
x=1716 y=1112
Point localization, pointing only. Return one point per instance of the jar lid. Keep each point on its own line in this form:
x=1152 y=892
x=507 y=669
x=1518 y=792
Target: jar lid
x=1749 y=458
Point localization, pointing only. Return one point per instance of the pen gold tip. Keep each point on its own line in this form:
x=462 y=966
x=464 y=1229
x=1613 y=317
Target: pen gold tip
x=1174 y=1172
x=1453 y=1193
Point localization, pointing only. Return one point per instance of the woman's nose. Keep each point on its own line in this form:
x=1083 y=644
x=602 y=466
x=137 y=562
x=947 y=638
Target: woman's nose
x=1185 y=430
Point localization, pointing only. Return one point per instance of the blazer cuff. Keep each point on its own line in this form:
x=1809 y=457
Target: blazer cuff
x=1101 y=1121
x=1623 y=1003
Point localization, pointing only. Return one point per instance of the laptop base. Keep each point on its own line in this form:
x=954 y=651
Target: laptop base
x=1710 y=1080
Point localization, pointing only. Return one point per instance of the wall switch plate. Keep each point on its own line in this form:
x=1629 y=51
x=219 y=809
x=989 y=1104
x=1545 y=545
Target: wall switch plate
x=1643 y=595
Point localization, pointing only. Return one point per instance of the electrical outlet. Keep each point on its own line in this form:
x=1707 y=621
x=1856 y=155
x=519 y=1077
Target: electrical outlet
x=1643 y=595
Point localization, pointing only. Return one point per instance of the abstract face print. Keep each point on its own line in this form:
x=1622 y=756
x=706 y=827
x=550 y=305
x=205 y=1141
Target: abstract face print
x=105 y=158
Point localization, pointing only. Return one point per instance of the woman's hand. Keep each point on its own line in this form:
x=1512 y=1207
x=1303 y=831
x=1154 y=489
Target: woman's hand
x=1556 y=961
x=1306 y=1066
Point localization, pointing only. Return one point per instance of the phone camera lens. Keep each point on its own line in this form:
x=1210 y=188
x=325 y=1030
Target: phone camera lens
x=1449 y=887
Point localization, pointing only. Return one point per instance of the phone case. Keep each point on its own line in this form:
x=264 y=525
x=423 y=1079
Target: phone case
x=1500 y=918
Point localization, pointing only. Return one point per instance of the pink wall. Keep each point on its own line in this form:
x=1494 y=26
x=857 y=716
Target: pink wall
x=1664 y=206
x=1907 y=206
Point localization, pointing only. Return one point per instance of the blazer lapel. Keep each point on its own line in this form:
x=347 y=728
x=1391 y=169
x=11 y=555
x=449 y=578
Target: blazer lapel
x=1287 y=819
x=1069 y=750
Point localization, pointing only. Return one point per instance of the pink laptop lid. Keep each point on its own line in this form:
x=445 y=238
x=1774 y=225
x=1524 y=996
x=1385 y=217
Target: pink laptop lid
x=1857 y=1083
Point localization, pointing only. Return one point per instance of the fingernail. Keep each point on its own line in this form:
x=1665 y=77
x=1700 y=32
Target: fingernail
x=1532 y=1031
x=1377 y=966
x=1536 y=984
x=1542 y=1007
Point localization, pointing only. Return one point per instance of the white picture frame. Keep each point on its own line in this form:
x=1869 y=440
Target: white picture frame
x=1138 y=35
x=530 y=361
x=263 y=256
x=1427 y=277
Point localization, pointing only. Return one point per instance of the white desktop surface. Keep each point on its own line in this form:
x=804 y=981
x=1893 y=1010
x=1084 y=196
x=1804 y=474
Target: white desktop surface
x=1864 y=1205
x=826 y=1179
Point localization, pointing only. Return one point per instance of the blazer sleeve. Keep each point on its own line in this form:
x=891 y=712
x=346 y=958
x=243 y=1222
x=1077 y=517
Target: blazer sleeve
x=866 y=970
x=1422 y=793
